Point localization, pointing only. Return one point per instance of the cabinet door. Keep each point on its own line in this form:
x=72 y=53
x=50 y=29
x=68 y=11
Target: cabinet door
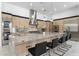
x=61 y=25
x=41 y=24
x=51 y=26
x=26 y=23
x=15 y=22
x=47 y=26
x=21 y=22
x=20 y=49
x=6 y=17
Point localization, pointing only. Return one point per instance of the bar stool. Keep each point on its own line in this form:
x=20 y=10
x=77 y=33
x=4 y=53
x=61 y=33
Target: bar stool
x=64 y=47
x=39 y=49
x=53 y=45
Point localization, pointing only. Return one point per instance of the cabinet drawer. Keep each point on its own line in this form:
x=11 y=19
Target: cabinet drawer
x=20 y=49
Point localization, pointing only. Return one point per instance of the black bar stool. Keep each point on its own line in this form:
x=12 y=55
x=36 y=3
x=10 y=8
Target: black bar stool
x=39 y=49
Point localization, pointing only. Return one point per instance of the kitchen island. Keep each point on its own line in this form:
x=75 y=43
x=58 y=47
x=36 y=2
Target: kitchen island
x=23 y=41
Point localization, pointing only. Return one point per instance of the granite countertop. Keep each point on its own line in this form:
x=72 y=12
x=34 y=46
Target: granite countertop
x=32 y=37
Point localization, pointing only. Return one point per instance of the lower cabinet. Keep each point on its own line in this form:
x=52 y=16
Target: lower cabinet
x=22 y=49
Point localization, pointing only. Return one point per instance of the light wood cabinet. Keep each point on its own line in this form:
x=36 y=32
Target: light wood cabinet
x=26 y=23
x=47 y=26
x=41 y=24
x=61 y=25
x=15 y=22
x=20 y=49
x=20 y=22
x=6 y=17
x=51 y=26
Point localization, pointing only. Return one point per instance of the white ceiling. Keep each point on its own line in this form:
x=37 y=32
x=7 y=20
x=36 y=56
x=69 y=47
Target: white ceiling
x=50 y=7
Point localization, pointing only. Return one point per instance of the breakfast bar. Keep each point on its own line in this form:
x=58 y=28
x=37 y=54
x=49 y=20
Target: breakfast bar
x=22 y=42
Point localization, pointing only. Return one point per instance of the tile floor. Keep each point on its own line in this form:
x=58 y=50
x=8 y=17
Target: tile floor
x=73 y=51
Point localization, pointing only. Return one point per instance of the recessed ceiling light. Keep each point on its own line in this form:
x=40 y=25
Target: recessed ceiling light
x=65 y=5
x=55 y=9
x=31 y=4
x=43 y=9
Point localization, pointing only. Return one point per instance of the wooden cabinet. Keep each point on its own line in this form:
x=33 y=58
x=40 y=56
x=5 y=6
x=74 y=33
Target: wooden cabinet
x=47 y=26
x=23 y=23
x=61 y=25
x=51 y=26
x=6 y=17
x=20 y=22
x=26 y=23
x=22 y=49
x=15 y=22
x=41 y=24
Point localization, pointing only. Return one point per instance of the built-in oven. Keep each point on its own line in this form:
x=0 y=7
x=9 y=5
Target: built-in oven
x=6 y=30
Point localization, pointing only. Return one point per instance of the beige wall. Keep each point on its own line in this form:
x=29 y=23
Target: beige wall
x=73 y=23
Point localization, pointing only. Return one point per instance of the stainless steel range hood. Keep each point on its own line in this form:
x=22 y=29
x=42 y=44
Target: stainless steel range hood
x=33 y=20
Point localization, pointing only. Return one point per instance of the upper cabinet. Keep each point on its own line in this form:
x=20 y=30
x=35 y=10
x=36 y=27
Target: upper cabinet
x=41 y=24
x=60 y=23
x=23 y=23
x=45 y=24
x=20 y=22
x=6 y=17
x=15 y=22
x=26 y=23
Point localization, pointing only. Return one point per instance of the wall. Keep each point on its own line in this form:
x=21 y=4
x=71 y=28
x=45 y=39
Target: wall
x=70 y=12
x=73 y=27
x=72 y=23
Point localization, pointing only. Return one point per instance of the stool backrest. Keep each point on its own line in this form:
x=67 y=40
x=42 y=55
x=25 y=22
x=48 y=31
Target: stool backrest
x=40 y=48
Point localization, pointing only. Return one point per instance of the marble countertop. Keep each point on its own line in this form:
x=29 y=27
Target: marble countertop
x=33 y=37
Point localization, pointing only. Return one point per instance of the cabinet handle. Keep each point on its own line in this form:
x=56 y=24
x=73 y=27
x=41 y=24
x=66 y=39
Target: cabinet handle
x=27 y=46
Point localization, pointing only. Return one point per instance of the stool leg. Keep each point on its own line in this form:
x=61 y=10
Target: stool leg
x=54 y=51
x=66 y=46
x=62 y=49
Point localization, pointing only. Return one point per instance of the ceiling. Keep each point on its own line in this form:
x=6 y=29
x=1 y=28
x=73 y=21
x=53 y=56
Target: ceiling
x=47 y=8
